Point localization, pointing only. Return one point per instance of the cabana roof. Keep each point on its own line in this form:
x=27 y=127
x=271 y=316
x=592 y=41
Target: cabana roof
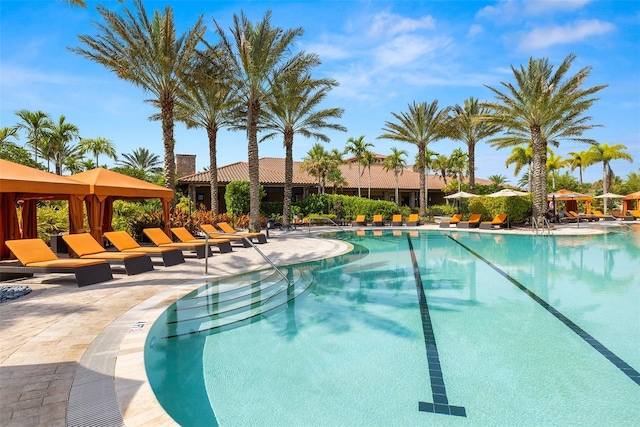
x=34 y=183
x=105 y=183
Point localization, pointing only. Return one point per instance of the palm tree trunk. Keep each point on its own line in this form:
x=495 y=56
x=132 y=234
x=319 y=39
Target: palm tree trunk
x=212 y=134
x=253 y=112
x=166 y=107
x=358 y=177
x=539 y=174
x=581 y=176
x=369 y=193
x=472 y=167
x=288 y=178
x=423 y=187
x=397 y=204
x=604 y=182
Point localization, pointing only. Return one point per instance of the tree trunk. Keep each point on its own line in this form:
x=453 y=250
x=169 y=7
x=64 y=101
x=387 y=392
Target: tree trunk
x=253 y=112
x=212 y=134
x=423 y=198
x=288 y=177
x=604 y=182
x=358 y=177
x=539 y=174
x=397 y=204
x=166 y=106
x=472 y=166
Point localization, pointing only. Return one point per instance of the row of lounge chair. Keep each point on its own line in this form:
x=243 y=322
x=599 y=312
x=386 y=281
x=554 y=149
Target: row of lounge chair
x=499 y=221
x=596 y=215
x=93 y=262
x=378 y=221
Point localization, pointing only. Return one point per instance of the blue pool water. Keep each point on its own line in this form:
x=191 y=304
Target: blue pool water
x=423 y=328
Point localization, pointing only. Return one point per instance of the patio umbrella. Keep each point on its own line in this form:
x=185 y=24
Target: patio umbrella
x=460 y=195
x=507 y=192
x=609 y=196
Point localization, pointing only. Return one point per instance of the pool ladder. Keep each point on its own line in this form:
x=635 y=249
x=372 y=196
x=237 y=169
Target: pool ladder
x=539 y=228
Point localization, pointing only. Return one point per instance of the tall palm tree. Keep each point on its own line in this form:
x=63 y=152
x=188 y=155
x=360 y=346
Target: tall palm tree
x=260 y=53
x=358 y=147
x=498 y=180
x=458 y=162
x=577 y=161
x=467 y=125
x=605 y=153
x=147 y=53
x=97 y=146
x=395 y=162
x=544 y=107
x=294 y=109
x=60 y=145
x=442 y=165
x=554 y=164
x=208 y=101
x=142 y=160
x=36 y=124
x=368 y=159
x=427 y=162
x=318 y=163
x=422 y=124
x=521 y=156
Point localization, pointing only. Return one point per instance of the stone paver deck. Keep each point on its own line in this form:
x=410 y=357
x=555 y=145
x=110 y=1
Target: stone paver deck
x=74 y=356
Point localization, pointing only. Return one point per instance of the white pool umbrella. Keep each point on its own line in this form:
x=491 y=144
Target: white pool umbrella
x=460 y=195
x=507 y=192
x=609 y=196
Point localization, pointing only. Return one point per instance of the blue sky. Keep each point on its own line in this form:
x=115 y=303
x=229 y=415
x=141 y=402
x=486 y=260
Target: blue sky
x=384 y=54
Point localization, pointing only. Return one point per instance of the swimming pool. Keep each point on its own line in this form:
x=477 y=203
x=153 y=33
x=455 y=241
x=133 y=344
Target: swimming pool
x=429 y=327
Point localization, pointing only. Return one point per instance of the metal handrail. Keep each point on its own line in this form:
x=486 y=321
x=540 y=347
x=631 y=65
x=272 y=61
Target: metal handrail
x=324 y=218
x=206 y=261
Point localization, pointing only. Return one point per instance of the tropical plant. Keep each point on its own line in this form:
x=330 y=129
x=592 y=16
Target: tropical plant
x=427 y=161
x=147 y=53
x=368 y=159
x=60 y=145
x=396 y=162
x=442 y=166
x=606 y=153
x=141 y=160
x=466 y=124
x=577 y=161
x=97 y=146
x=236 y=197
x=422 y=124
x=260 y=55
x=521 y=156
x=358 y=147
x=294 y=109
x=6 y=133
x=554 y=164
x=319 y=163
x=37 y=125
x=498 y=180
x=543 y=108
x=458 y=162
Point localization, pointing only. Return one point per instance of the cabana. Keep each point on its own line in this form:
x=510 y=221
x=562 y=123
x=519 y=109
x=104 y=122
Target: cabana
x=629 y=200
x=105 y=186
x=24 y=185
x=571 y=199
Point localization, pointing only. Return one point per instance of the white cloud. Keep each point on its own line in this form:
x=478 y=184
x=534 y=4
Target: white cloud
x=389 y=24
x=406 y=50
x=327 y=50
x=544 y=37
x=516 y=10
x=540 y=7
x=474 y=30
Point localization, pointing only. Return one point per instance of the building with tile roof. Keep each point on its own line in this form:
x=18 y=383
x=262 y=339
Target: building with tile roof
x=381 y=182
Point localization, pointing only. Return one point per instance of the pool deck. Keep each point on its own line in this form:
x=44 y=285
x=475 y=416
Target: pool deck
x=74 y=356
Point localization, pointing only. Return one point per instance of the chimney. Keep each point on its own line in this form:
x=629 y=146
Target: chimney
x=185 y=164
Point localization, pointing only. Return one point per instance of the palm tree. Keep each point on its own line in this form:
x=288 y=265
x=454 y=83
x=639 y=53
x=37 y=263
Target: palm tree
x=97 y=146
x=422 y=124
x=458 y=162
x=577 y=161
x=498 y=180
x=554 y=164
x=522 y=156
x=427 y=161
x=368 y=158
x=60 y=143
x=147 y=53
x=141 y=160
x=442 y=165
x=543 y=108
x=36 y=124
x=397 y=163
x=358 y=147
x=208 y=101
x=336 y=179
x=261 y=54
x=605 y=153
x=467 y=125
x=6 y=133
x=294 y=109
x=317 y=163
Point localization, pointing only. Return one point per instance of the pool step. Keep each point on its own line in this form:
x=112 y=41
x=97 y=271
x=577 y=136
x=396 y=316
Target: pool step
x=206 y=311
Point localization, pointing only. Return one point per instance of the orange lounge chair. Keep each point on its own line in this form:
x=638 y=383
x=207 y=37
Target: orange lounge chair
x=414 y=220
x=396 y=220
x=224 y=245
x=360 y=220
x=228 y=229
x=619 y=215
x=86 y=247
x=499 y=221
x=599 y=215
x=454 y=220
x=37 y=257
x=125 y=243
x=634 y=213
x=472 y=222
x=161 y=240
x=377 y=220
x=217 y=234
x=569 y=217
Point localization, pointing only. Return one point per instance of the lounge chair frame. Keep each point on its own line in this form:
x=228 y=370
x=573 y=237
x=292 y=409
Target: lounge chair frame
x=499 y=221
x=454 y=220
x=413 y=221
x=377 y=221
x=217 y=234
x=170 y=256
x=229 y=230
x=359 y=221
x=161 y=240
x=472 y=222
x=224 y=245
x=396 y=220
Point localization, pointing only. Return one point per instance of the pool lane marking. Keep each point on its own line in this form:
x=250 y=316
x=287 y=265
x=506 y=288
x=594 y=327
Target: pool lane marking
x=440 y=403
x=593 y=342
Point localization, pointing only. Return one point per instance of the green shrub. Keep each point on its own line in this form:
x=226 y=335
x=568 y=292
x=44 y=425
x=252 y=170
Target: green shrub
x=53 y=218
x=517 y=208
x=237 y=197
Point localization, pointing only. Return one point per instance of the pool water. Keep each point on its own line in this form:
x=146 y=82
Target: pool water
x=424 y=328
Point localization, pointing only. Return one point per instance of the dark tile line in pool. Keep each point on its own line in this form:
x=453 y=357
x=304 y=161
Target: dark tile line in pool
x=592 y=341
x=440 y=403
